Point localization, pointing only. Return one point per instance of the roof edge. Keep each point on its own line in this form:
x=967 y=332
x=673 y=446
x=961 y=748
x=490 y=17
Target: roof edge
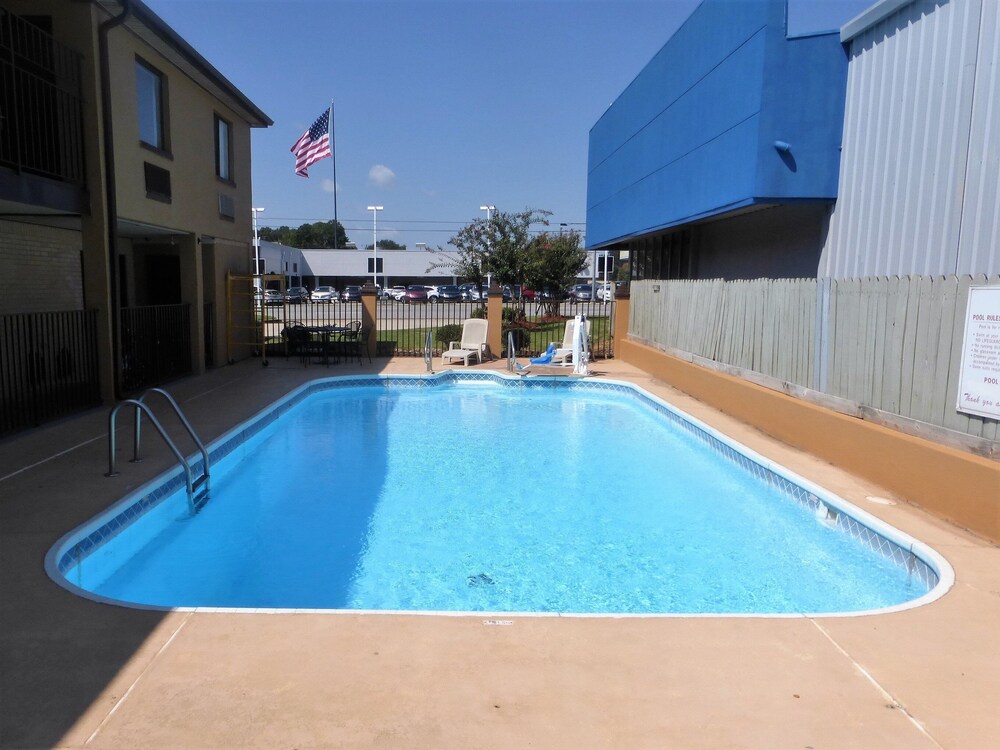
x=143 y=14
x=868 y=18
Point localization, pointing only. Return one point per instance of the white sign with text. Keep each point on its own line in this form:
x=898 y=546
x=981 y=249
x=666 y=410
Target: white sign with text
x=979 y=377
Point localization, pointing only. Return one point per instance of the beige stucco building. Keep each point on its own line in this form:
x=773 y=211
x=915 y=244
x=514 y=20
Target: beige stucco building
x=125 y=190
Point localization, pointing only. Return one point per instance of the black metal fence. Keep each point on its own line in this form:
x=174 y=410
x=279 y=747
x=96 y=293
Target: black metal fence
x=42 y=126
x=536 y=324
x=48 y=367
x=282 y=319
x=403 y=327
x=155 y=345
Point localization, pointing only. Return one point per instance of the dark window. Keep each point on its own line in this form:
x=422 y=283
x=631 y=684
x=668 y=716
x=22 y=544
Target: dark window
x=151 y=96
x=664 y=256
x=223 y=150
x=372 y=264
x=157 y=182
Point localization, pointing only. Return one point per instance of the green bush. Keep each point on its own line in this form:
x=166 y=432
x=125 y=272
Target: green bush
x=447 y=333
x=512 y=315
x=521 y=337
x=478 y=312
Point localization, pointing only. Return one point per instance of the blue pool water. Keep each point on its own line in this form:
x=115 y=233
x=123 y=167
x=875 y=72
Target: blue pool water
x=474 y=497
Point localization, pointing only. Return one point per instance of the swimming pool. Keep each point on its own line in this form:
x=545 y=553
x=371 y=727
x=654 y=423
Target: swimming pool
x=474 y=492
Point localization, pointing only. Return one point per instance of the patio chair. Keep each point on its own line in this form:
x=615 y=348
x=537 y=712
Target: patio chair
x=564 y=354
x=473 y=342
x=299 y=341
x=354 y=341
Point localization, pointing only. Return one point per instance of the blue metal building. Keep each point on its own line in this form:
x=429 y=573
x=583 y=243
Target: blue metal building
x=721 y=158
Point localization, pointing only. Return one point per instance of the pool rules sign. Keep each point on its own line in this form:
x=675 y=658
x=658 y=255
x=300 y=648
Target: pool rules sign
x=979 y=378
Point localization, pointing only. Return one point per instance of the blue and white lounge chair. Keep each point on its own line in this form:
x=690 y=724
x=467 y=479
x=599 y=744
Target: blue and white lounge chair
x=544 y=359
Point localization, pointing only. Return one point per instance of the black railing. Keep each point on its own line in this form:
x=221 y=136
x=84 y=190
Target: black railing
x=209 y=333
x=544 y=322
x=41 y=126
x=155 y=345
x=48 y=367
x=403 y=327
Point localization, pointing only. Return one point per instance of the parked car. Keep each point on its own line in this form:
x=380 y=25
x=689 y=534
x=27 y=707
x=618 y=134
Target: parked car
x=351 y=293
x=581 y=293
x=323 y=294
x=273 y=297
x=445 y=293
x=470 y=292
x=605 y=292
x=415 y=293
x=528 y=294
x=295 y=295
x=396 y=292
x=548 y=294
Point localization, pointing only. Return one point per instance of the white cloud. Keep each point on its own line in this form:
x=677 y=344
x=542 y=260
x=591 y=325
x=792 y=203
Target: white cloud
x=328 y=186
x=382 y=176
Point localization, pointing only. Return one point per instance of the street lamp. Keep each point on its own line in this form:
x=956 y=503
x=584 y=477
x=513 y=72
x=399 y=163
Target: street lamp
x=375 y=210
x=488 y=210
x=256 y=246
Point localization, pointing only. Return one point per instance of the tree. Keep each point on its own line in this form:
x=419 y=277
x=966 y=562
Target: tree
x=623 y=274
x=554 y=263
x=387 y=245
x=497 y=246
x=320 y=234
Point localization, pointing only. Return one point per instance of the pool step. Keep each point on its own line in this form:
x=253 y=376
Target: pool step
x=199 y=493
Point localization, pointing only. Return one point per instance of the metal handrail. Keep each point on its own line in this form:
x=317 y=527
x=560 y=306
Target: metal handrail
x=180 y=416
x=429 y=352
x=140 y=406
x=511 y=353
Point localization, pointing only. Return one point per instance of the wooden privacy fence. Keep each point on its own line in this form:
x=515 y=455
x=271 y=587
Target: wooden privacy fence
x=893 y=344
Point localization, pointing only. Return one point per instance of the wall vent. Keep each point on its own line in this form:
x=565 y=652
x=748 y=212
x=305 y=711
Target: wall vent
x=157 y=182
x=227 y=208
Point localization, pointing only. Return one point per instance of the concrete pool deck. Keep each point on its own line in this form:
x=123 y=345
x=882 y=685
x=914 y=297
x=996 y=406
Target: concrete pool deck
x=74 y=673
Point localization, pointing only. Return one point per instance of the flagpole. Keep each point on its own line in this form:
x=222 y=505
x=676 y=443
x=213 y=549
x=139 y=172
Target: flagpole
x=333 y=150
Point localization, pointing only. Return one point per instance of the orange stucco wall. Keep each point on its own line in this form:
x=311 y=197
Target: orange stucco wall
x=957 y=486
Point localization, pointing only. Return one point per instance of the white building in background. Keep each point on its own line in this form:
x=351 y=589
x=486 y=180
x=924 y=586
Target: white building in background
x=919 y=189
x=338 y=268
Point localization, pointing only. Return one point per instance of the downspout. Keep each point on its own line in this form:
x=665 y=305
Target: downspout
x=111 y=200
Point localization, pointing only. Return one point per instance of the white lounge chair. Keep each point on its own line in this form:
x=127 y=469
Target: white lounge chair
x=473 y=342
x=564 y=354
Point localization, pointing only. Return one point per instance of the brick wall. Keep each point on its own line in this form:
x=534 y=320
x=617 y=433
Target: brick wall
x=41 y=268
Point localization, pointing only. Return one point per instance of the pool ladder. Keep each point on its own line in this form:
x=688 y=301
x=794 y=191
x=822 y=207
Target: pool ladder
x=197 y=488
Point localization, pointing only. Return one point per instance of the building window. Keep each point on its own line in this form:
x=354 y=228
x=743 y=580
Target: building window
x=374 y=265
x=223 y=150
x=151 y=91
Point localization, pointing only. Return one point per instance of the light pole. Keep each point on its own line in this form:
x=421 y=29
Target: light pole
x=256 y=246
x=488 y=210
x=375 y=210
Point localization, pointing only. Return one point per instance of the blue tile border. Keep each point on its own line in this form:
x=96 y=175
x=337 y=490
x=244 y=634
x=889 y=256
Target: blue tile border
x=846 y=518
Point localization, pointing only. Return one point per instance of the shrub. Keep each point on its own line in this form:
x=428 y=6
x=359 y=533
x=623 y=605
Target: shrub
x=521 y=337
x=447 y=333
x=513 y=315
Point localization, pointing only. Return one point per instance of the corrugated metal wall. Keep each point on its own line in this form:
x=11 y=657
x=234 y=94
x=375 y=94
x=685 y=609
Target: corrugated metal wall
x=921 y=154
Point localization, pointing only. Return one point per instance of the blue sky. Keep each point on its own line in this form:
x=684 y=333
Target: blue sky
x=441 y=107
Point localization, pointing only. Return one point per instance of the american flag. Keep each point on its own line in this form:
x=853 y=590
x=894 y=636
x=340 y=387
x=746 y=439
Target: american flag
x=313 y=145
